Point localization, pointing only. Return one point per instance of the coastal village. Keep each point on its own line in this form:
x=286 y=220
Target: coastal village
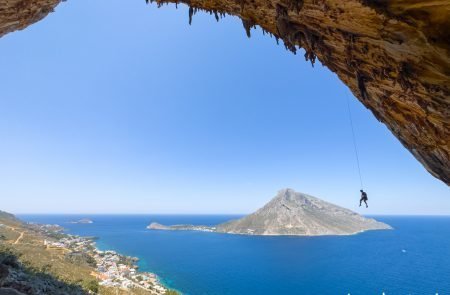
x=112 y=269
x=66 y=263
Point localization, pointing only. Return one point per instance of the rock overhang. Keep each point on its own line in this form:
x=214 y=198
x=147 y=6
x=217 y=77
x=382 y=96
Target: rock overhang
x=393 y=55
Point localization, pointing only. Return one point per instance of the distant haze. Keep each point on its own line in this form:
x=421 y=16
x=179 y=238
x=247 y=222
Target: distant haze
x=131 y=110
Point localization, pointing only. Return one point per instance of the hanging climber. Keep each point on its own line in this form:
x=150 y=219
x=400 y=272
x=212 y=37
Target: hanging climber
x=363 y=198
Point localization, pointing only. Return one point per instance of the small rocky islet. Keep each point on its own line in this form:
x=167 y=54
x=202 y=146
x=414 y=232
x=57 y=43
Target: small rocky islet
x=82 y=221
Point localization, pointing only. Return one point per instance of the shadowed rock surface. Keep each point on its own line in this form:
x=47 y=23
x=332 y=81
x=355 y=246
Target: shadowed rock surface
x=292 y=213
x=17 y=279
x=393 y=55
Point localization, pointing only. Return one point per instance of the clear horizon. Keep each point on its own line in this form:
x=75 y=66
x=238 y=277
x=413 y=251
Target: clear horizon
x=134 y=111
x=203 y=214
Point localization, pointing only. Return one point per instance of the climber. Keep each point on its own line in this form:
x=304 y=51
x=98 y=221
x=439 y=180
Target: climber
x=363 y=198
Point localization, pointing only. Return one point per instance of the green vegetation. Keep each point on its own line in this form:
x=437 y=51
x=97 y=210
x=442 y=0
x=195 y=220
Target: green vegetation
x=92 y=286
x=32 y=281
x=127 y=260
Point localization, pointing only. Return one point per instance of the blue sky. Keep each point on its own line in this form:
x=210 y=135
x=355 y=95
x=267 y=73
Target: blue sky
x=113 y=108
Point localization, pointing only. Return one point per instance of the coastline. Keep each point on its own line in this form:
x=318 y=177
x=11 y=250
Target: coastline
x=213 y=229
x=111 y=269
x=278 y=235
x=161 y=280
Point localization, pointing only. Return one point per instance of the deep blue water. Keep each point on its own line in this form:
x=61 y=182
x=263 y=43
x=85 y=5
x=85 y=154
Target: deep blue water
x=210 y=263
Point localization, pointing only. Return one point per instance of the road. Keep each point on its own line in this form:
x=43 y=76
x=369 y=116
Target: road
x=19 y=237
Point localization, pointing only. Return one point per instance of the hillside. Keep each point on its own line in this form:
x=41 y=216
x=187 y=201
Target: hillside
x=29 y=266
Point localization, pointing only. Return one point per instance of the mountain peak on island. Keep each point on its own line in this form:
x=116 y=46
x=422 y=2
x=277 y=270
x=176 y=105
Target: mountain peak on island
x=290 y=195
x=290 y=199
x=292 y=213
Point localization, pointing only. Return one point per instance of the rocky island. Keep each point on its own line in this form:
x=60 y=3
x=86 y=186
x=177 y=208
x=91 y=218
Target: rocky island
x=83 y=221
x=291 y=213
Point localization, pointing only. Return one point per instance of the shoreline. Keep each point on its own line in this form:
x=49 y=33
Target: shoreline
x=160 y=279
x=213 y=229
x=111 y=268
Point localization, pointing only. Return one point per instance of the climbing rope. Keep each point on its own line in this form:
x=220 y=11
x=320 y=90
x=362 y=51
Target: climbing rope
x=354 y=141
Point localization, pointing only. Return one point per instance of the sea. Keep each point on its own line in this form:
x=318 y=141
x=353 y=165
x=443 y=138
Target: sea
x=414 y=258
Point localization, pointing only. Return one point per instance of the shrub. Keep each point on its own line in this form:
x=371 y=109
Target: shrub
x=92 y=286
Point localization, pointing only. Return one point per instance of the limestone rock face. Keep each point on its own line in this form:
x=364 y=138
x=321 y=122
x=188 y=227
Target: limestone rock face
x=394 y=55
x=293 y=213
x=19 y=14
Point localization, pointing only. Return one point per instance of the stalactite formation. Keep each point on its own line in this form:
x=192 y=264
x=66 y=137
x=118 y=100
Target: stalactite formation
x=393 y=55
